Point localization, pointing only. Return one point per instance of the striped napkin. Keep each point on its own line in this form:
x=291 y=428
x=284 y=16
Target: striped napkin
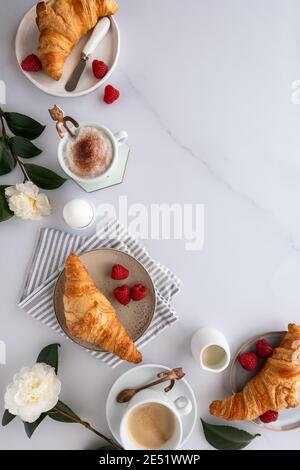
x=52 y=248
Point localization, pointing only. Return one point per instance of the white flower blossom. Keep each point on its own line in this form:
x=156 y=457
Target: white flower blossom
x=27 y=202
x=33 y=391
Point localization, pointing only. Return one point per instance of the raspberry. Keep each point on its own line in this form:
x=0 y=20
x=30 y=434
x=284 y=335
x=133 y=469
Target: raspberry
x=248 y=361
x=269 y=416
x=118 y=272
x=111 y=94
x=100 y=69
x=31 y=63
x=264 y=348
x=138 y=292
x=122 y=294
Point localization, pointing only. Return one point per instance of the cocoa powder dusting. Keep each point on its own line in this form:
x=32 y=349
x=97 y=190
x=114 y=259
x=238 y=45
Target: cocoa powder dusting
x=87 y=154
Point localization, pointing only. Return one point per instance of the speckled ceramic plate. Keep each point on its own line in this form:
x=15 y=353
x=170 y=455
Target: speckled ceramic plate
x=136 y=316
x=288 y=419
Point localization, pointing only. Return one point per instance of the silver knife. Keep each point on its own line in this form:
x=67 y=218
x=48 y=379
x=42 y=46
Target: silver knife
x=100 y=31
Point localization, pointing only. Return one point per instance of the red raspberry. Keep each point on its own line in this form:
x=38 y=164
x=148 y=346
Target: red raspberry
x=118 y=272
x=111 y=94
x=248 y=361
x=122 y=294
x=138 y=292
x=269 y=416
x=31 y=63
x=100 y=69
x=264 y=348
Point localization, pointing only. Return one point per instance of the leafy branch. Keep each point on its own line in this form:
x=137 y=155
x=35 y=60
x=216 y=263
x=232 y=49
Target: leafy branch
x=14 y=149
x=61 y=412
x=7 y=140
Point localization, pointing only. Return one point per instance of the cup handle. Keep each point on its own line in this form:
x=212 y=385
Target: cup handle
x=183 y=405
x=121 y=137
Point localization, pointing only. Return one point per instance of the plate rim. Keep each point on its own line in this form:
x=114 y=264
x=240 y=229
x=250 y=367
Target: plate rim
x=134 y=369
x=230 y=373
x=117 y=251
x=74 y=93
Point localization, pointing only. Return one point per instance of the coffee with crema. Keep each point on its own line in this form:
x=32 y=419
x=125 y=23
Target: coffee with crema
x=151 y=425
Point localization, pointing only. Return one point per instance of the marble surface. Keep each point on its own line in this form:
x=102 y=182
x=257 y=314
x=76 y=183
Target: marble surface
x=207 y=102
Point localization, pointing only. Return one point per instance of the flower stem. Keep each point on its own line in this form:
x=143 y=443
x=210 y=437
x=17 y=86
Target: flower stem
x=87 y=426
x=21 y=165
x=16 y=158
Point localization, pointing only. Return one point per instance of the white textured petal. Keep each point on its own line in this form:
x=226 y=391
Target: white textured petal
x=10 y=191
x=43 y=205
x=29 y=415
x=28 y=188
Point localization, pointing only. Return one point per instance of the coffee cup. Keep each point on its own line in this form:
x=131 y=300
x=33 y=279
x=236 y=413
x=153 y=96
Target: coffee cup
x=210 y=347
x=111 y=145
x=153 y=421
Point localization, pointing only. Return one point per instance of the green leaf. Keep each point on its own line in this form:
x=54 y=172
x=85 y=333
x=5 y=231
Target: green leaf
x=7 y=418
x=24 y=148
x=226 y=437
x=60 y=417
x=31 y=427
x=5 y=212
x=23 y=126
x=43 y=177
x=7 y=161
x=49 y=355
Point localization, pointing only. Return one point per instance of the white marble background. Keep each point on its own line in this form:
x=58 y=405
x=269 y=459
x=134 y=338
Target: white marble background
x=206 y=99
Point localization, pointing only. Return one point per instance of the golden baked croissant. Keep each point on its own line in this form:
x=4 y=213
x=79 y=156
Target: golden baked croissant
x=275 y=387
x=91 y=317
x=61 y=24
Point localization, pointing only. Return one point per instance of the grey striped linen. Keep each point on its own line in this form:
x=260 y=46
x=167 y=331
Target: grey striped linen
x=52 y=248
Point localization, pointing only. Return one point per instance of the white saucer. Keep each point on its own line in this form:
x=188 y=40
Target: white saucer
x=107 y=51
x=139 y=376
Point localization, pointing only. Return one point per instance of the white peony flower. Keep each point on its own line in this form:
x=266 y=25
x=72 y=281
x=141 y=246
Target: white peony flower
x=33 y=391
x=26 y=201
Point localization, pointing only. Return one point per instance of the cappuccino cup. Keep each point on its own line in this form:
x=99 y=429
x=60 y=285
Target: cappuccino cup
x=91 y=154
x=153 y=421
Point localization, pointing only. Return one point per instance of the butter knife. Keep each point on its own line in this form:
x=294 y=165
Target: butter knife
x=99 y=32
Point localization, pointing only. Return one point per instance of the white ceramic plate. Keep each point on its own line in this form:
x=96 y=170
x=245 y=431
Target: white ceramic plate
x=287 y=419
x=108 y=51
x=141 y=375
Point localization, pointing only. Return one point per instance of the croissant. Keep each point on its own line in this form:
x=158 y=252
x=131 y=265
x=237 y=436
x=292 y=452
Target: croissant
x=61 y=24
x=275 y=387
x=91 y=317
